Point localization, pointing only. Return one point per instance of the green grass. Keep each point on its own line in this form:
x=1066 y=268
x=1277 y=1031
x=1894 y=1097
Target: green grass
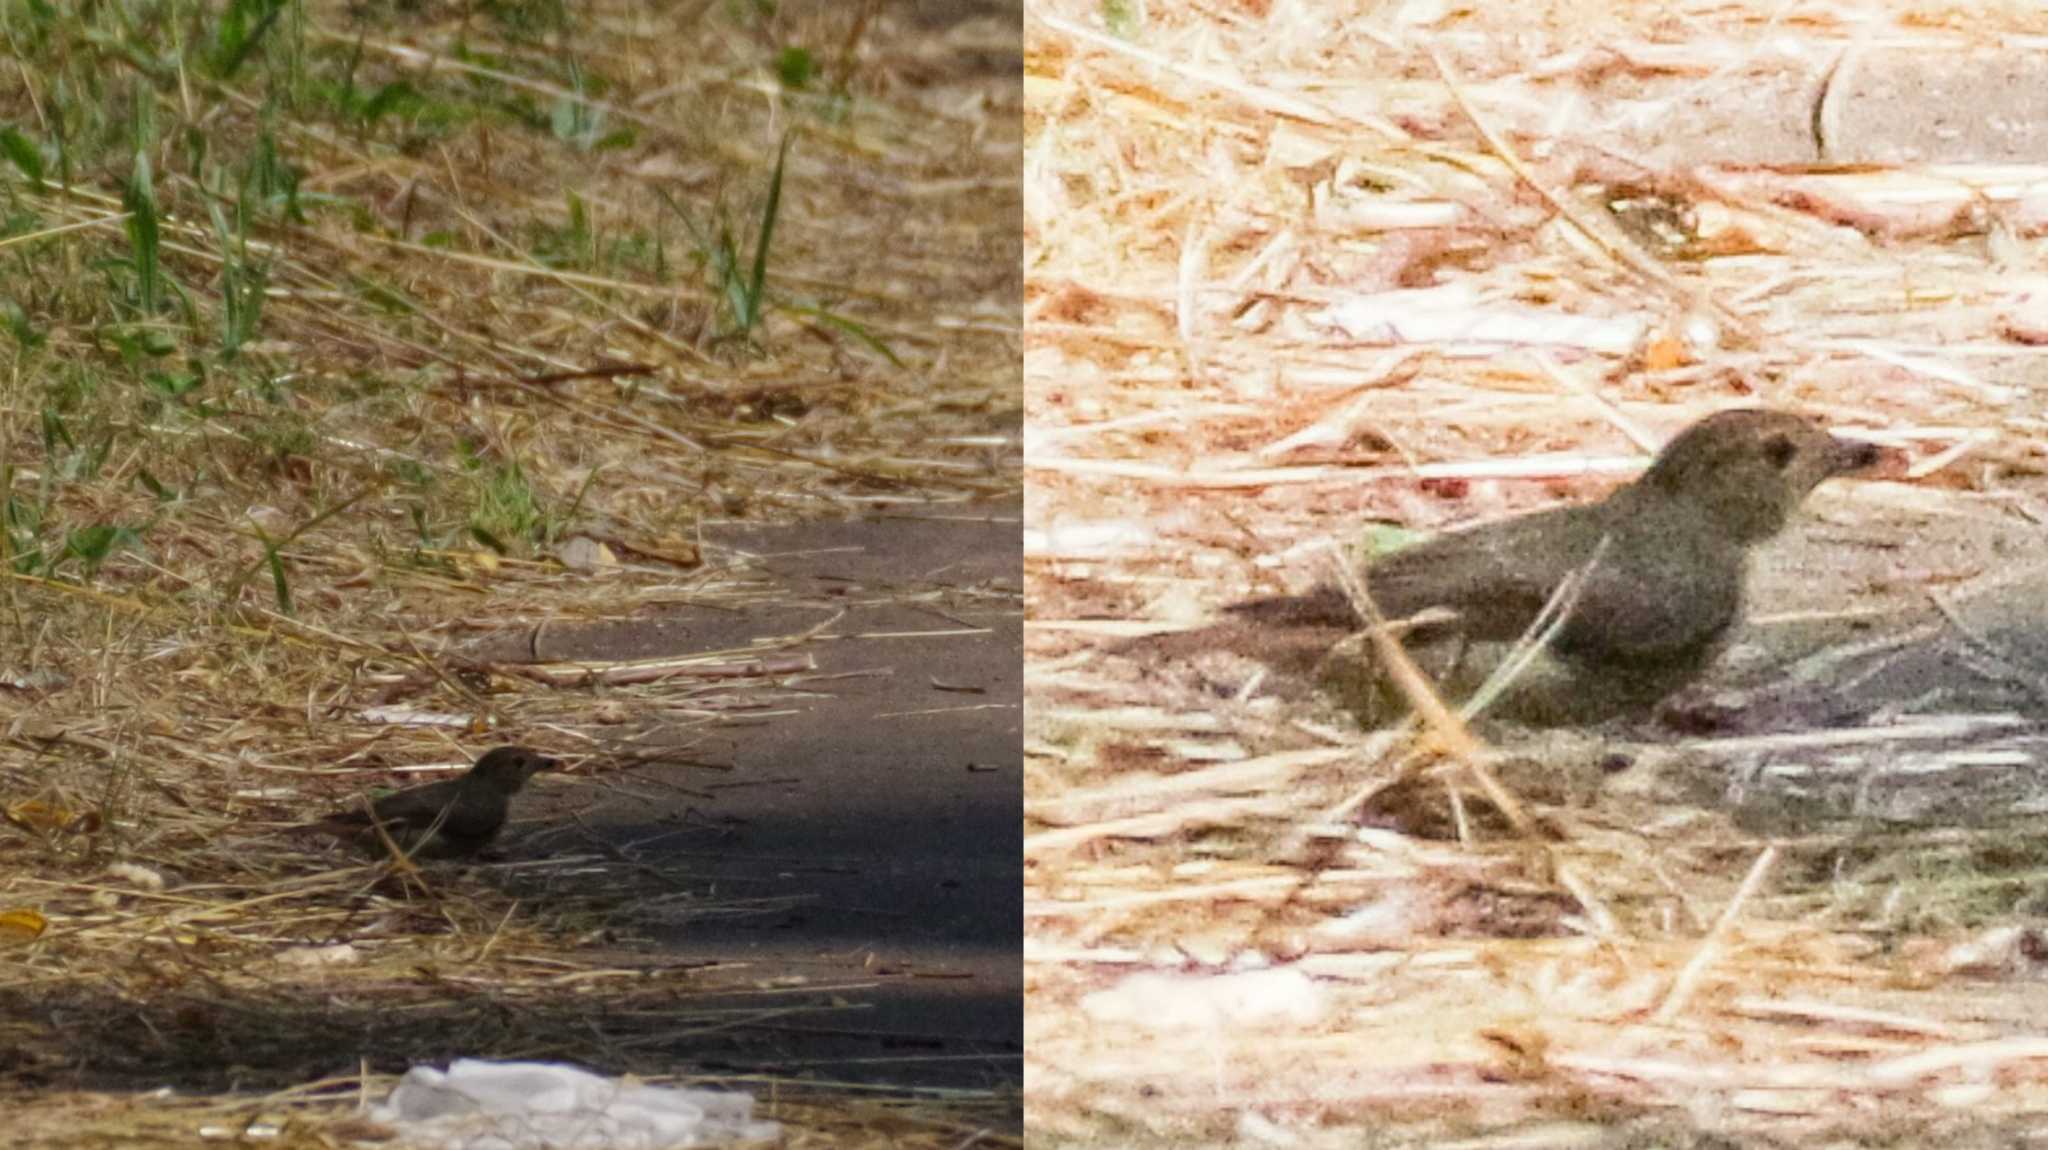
x=1125 y=18
x=735 y=277
x=211 y=216
x=124 y=341
x=507 y=512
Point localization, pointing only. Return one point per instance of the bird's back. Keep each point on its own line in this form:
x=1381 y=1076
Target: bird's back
x=460 y=807
x=1664 y=590
x=459 y=815
x=1496 y=577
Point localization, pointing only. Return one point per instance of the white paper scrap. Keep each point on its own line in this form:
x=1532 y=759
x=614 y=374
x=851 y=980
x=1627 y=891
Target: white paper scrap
x=478 y=1105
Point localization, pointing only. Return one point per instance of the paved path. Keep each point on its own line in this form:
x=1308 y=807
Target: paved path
x=884 y=806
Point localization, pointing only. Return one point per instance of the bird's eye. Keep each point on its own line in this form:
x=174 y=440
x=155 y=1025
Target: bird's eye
x=1779 y=451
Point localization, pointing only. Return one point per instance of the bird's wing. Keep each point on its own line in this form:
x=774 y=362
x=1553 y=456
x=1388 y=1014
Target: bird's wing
x=1496 y=577
x=478 y=812
x=1664 y=589
x=418 y=806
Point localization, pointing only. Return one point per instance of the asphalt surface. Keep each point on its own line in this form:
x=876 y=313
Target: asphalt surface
x=876 y=811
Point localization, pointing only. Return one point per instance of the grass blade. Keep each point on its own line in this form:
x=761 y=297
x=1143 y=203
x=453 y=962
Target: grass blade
x=140 y=200
x=757 y=282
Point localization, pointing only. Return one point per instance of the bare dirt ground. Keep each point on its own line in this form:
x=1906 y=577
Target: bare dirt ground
x=1293 y=271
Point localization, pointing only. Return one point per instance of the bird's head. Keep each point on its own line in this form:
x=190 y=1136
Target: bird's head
x=508 y=768
x=1749 y=469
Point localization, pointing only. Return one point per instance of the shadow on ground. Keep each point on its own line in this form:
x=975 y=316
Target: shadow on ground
x=875 y=820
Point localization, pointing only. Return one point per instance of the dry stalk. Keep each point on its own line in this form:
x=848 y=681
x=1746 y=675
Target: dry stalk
x=1710 y=948
x=1625 y=256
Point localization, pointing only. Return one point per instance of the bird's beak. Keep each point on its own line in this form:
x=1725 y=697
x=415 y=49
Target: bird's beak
x=1847 y=455
x=543 y=763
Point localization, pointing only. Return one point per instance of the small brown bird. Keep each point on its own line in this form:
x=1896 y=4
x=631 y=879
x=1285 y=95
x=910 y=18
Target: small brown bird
x=449 y=819
x=1651 y=613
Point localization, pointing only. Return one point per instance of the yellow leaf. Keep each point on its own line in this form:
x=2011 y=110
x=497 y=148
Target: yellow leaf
x=21 y=925
x=37 y=815
x=1664 y=353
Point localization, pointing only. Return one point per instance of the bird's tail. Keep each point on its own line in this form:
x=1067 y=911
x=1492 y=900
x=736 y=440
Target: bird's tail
x=1293 y=647
x=1322 y=607
x=322 y=833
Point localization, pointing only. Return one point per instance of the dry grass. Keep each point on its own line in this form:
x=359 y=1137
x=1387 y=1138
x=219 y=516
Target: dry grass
x=1290 y=267
x=416 y=326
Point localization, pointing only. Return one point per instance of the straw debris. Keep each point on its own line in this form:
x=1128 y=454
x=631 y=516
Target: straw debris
x=1298 y=271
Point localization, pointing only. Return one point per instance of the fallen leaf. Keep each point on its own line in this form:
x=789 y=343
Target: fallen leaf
x=37 y=815
x=587 y=555
x=22 y=925
x=38 y=680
